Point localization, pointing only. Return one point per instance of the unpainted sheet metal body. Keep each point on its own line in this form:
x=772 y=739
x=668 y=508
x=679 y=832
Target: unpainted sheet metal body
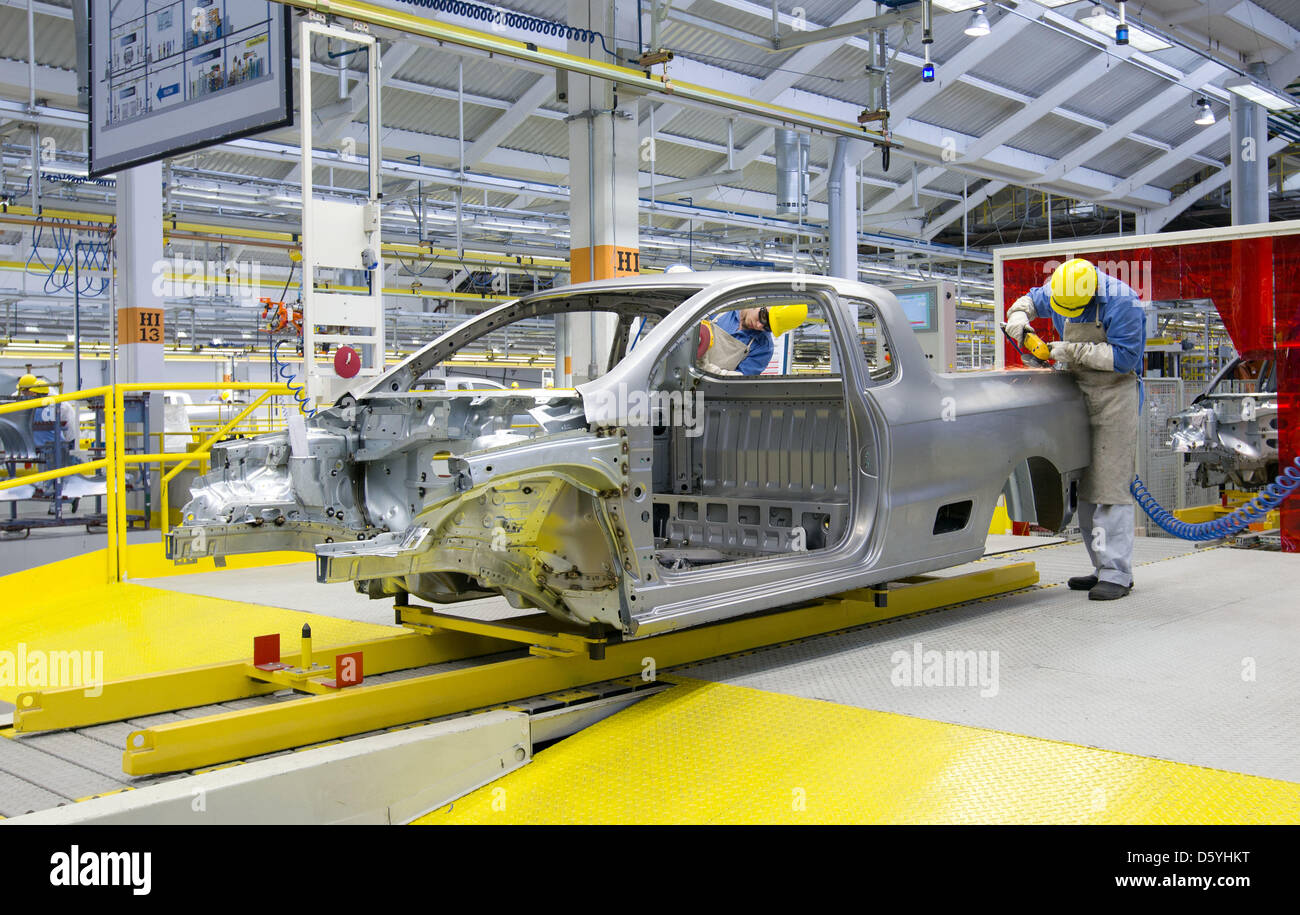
x=808 y=485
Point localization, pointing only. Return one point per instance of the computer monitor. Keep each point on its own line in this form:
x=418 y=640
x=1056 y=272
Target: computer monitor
x=920 y=306
x=931 y=310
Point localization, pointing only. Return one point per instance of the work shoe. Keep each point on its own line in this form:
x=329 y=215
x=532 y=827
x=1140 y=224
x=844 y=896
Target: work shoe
x=1108 y=590
x=1082 y=582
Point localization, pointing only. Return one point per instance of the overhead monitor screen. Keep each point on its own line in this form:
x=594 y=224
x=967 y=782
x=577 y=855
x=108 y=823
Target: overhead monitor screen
x=169 y=76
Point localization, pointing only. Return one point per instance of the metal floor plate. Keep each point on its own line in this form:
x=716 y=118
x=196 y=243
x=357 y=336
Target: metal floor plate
x=1196 y=665
x=1158 y=674
x=712 y=753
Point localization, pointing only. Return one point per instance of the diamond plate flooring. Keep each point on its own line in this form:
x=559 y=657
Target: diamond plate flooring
x=714 y=753
x=1196 y=665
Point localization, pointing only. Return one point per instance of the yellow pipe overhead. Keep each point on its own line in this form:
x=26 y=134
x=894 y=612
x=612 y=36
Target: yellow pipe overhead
x=642 y=80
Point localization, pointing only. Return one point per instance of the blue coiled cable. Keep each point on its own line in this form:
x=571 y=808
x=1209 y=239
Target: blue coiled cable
x=1257 y=509
x=295 y=388
x=514 y=20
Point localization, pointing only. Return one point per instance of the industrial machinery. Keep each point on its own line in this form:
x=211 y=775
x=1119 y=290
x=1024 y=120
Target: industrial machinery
x=659 y=495
x=1231 y=437
x=340 y=238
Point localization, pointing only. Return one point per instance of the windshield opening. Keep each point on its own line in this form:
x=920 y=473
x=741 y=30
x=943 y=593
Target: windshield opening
x=528 y=333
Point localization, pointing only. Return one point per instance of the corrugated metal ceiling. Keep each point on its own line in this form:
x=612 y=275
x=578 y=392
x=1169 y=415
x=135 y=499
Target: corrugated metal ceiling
x=1027 y=64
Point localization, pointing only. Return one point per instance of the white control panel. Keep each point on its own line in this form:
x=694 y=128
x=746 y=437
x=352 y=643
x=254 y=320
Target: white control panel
x=931 y=308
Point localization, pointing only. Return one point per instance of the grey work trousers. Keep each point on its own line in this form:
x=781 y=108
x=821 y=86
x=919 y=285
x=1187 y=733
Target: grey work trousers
x=1108 y=535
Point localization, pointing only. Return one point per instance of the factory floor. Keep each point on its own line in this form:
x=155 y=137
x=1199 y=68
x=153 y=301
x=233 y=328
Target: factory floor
x=1176 y=704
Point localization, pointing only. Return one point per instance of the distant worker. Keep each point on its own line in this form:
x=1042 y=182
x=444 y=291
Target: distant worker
x=50 y=422
x=1103 y=334
x=754 y=329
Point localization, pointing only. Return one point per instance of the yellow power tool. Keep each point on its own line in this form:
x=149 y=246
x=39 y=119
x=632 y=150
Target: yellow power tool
x=1036 y=352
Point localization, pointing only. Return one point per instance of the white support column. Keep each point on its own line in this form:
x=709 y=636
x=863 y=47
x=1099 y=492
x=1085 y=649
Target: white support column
x=139 y=248
x=1155 y=220
x=604 y=160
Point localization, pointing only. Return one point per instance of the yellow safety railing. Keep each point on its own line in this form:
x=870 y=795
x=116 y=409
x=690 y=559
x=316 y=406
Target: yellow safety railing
x=202 y=450
x=116 y=460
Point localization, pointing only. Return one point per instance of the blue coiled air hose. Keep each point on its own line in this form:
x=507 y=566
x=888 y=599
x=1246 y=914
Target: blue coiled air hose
x=295 y=387
x=1257 y=509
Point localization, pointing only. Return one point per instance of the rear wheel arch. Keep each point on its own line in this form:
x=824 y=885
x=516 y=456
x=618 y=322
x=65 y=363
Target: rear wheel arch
x=1037 y=491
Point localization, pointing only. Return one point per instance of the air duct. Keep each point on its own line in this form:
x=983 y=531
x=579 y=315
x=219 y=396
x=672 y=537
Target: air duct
x=791 y=170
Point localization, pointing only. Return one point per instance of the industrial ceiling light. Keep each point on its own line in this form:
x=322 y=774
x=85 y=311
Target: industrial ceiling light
x=1100 y=20
x=1271 y=99
x=927 y=39
x=958 y=6
x=1205 y=114
x=978 y=26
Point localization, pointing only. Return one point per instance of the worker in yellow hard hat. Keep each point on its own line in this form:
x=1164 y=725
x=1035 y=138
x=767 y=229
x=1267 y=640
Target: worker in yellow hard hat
x=31 y=386
x=54 y=427
x=1103 y=331
x=755 y=329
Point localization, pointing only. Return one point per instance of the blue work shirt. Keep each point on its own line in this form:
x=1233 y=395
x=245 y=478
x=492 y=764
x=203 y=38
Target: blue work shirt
x=760 y=343
x=1119 y=309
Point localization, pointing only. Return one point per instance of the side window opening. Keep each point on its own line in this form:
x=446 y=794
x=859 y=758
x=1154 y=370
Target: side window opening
x=873 y=341
x=756 y=464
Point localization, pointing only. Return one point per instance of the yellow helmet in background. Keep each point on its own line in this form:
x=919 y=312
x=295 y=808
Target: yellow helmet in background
x=1073 y=285
x=29 y=382
x=781 y=318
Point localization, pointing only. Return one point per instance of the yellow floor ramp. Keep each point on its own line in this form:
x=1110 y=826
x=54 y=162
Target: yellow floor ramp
x=706 y=752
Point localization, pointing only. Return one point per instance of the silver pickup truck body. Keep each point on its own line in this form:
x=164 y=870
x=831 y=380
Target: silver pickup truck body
x=727 y=495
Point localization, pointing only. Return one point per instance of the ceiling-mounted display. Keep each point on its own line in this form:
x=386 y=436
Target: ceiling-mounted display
x=170 y=76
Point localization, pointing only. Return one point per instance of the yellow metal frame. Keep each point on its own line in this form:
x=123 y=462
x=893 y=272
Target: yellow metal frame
x=116 y=460
x=556 y=662
x=1197 y=514
x=151 y=694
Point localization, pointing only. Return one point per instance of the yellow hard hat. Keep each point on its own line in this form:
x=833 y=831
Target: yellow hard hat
x=1074 y=283
x=781 y=318
x=35 y=385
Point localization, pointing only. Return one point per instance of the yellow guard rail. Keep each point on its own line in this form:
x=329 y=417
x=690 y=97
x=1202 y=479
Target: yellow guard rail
x=116 y=460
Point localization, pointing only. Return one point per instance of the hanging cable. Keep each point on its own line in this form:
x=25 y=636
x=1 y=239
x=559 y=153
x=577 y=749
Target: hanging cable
x=513 y=20
x=290 y=379
x=1257 y=509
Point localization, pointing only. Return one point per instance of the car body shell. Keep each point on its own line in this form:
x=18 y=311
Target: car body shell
x=437 y=494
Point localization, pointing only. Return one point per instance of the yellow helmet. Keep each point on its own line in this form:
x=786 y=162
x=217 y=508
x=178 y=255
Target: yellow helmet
x=781 y=318
x=31 y=383
x=1073 y=284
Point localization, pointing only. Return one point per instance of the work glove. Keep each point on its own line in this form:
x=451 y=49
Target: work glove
x=1097 y=356
x=1018 y=318
x=714 y=370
